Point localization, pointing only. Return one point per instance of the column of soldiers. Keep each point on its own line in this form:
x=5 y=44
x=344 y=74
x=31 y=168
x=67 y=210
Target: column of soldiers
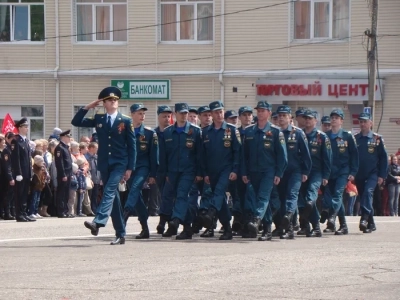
x=272 y=169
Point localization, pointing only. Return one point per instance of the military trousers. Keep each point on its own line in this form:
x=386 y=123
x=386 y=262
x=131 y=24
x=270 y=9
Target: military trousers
x=193 y=205
x=181 y=183
x=110 y=204
x=288 y=190
x=219 y=182
x=238 y=192
x=333 y=195
x=135 y=198
x=365 y=188
x=167 y=197
x=309 y=193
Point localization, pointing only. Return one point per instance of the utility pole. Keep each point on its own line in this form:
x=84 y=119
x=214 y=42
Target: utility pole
x=372 y=58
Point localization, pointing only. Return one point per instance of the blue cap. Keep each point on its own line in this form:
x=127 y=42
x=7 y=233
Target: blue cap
x=110 y=92
x=216 y=105
x=245 y=109
x=309 y=113
x=193 y=110
x=230 y=114
x=263 y=104
x=137 y=106
x=283 y=109
x=163 y=108
x=326 y=120
x=300 y=112
x=338 y=112
x=274 y=115
x=202 y=109
x=364 y=116
x=181 y=107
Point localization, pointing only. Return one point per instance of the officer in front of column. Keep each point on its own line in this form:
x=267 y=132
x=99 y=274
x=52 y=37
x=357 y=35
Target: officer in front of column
x=8 y=178
x=116 y=156
x=180 y=160
x=63 y=163
x=21 y=162
x=221 y=158
x=297 y=171
x=146 y=168
x=263 y=165
x=321 y=155
x=372 y=169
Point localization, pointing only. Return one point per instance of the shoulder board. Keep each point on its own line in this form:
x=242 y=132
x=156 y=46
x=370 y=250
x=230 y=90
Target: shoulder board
x=167 y=127
x=376 y=134
x=100 y=113
x=195 y=126
x=126 y=116
x=248 y=126
x=275 y=127
x=148 y=128
x=349 y=132
x=230 y=125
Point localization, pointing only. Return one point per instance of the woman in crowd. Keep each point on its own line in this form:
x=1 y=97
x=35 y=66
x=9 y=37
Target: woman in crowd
x=393 y=181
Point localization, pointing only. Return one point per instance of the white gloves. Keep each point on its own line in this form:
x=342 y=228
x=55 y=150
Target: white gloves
x=19 y=178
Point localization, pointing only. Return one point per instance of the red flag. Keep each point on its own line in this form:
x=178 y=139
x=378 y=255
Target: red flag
x=171 y=121
x=8 y=125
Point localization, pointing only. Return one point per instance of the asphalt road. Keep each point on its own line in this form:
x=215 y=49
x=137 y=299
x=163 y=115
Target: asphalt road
x=58 y=259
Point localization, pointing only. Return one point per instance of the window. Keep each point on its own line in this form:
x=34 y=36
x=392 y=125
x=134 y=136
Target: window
x=186 y=20
x=101 y=20
x=22 y=20
x=34 y=114
x=321 y=19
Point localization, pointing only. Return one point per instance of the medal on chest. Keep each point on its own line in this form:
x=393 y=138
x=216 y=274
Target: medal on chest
x=227 y=138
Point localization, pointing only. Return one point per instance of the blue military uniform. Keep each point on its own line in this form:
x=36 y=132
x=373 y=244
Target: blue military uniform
x=373 y=164
x=319 y=146
x=21 y=167
x=344 y=163
x=181 y=162
x=116 y=154
x=221 y=156
x=299 y=163
x=264 y=158
x=146 y=166
x=63 y=161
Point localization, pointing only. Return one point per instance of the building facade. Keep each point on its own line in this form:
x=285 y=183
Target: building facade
x=56 y=56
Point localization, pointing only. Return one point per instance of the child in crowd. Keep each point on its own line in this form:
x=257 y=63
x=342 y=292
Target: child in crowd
x=37 y=184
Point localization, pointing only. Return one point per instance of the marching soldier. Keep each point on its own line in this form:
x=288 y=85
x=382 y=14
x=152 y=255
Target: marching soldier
x=181 y=162
x=344 y=167
x=63 y=163
x=117 y=157
x=221 y=154
x=146 y=167
x=7 y=177
x=297 y=171
x=326 y=124
x=274 y=119
x=22 y=170
x=371 y=151
x=321 y=155
x=299 y=118
x=264 y=162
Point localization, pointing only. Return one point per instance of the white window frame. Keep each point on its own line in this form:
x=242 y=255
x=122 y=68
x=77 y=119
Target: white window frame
x=94 y=40
x=12 y=22
x=312 y=17
x=178 y=20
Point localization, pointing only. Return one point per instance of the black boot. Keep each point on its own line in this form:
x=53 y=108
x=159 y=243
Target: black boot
x=170 y=232
x=252 y=227
x=227 y=235
x=161 y=224
x=208 y=233
x=245 y=233
x=289 y=234
x=343 y=227
x=186 y=234
x=330 y=226
x=305 y=227
x=209 y=217
x=287 y=221
x=316 y=232
x=267 y=234
x=145 y=233
x=196 y=226
x=364 y=224
x=237 y=223
x=371 y=223
x=308 y=209
x=324 y=216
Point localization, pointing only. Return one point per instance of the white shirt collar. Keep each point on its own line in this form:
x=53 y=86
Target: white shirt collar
x=113 y=116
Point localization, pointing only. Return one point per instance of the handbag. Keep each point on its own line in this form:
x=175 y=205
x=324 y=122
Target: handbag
x=89 y=183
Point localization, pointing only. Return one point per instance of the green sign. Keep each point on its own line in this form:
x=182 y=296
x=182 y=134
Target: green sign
x=144 y=89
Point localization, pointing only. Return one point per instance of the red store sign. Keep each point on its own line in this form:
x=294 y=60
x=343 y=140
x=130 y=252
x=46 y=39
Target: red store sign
x=315 y=90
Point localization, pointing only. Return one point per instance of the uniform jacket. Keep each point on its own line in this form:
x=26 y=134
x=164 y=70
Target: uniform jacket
x=5 y=161
x=147 y=150
x=344 y=154
x=117 y=146
x=264 y=150
x=321 y=152
x=372 y=155
x=221 y=148
x=181 y=151
x=299 y=159
x=63 y=160
x=21 y=157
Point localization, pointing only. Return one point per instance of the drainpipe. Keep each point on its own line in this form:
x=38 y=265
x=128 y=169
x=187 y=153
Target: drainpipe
x=222 y=69
x=57 y=67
